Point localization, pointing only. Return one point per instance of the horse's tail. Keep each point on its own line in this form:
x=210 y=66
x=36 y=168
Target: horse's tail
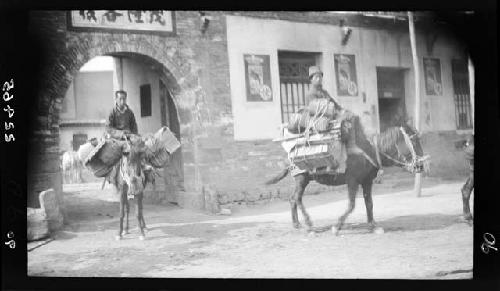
x=278 y=177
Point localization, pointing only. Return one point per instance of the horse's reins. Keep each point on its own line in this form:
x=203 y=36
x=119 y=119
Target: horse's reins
x=409 y=144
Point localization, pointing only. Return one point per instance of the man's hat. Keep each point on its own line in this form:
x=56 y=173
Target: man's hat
x=314 y=70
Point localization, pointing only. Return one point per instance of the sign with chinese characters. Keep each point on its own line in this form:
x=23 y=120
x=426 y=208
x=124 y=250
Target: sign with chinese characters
x=345 y=71
x=432 y=73
x=258 y=78
x=160 y=21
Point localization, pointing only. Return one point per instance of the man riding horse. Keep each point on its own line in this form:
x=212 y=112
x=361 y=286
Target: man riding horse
x=398 y=144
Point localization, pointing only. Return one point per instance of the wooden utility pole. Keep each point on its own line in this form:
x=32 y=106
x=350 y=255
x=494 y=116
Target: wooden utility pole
x=418 y=176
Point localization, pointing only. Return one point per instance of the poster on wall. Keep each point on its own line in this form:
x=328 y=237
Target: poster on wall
x=345 y=71
x=258 y=78
x=432 y=74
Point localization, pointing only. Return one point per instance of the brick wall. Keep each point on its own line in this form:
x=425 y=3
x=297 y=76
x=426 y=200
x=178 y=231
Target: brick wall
x=194 y=66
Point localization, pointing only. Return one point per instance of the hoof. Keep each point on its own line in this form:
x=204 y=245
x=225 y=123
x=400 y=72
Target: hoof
x=297 y=225
x=118 y=237
x=125 y=232
x=141 y=237
x=378 y=230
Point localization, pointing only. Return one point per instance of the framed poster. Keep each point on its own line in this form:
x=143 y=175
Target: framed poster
x=432 y=75
x=155 y=21
x=345 y=72
x=258 y=78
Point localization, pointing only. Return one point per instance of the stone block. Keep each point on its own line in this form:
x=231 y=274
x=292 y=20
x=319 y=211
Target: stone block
x=37 y=224
x=211 y=201
x=50 y=203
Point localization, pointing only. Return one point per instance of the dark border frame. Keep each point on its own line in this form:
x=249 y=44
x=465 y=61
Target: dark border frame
x=70 y=27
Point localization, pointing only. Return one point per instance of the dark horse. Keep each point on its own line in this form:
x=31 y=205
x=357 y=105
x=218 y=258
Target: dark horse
x=397 y=145
x=130 y=179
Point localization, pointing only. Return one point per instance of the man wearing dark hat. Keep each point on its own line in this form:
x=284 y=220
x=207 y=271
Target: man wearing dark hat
x=121 y=120
x=316 y=91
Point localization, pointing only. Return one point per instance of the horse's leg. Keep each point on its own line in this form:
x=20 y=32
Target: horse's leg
x=127 y=211
x=367 y=195
x=466 y=193
x=143 y=223
x=299 y=188
x=123 y=197
x=352 y=189
x=140 y=218
x=299 y=196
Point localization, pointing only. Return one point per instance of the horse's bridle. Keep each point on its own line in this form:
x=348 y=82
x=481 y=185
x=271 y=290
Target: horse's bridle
x=417 y=163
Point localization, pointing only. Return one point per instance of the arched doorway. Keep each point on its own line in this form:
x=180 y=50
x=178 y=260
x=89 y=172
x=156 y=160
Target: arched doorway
x=149 y=85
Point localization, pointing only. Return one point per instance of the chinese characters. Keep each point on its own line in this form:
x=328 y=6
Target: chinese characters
x=126 y=19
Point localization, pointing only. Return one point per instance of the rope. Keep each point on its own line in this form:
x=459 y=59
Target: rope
x=409 y=144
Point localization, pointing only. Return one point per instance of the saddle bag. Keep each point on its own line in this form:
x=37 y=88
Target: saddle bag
x=160 y=146
x=90 y=155
x=325 y=155
x=110 y=153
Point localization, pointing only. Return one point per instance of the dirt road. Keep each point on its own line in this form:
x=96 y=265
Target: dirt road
x=424 y=239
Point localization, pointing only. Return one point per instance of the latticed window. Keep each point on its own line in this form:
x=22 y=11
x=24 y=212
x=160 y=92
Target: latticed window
x=294 y=81
x=463 y=110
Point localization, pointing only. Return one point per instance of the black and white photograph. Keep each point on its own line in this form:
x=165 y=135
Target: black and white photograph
x=242 y=144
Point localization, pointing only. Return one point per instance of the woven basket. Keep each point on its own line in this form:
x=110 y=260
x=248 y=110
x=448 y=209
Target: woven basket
x=159 y=159
x=167 y=139
x=321 y=106
x=110 y=153
x=99 y=168
x=320 y=124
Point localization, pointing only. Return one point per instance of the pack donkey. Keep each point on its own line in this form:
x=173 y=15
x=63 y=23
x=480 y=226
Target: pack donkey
x=130 y=178
x=396 y=146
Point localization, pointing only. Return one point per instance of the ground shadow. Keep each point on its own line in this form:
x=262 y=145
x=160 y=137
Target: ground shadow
x=400 y=223
x=204 y=231
x=419 y=222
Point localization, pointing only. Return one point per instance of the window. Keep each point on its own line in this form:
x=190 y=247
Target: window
x=78 y=140
x=146 y=100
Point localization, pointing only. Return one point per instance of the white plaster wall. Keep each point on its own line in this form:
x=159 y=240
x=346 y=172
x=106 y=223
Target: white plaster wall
x=136 y=74
x=372 y=48
x=93 y=94
x=66 y=135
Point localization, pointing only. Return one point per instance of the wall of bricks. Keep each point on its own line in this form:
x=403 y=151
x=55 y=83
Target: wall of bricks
x=196 y=69
x=194 y=65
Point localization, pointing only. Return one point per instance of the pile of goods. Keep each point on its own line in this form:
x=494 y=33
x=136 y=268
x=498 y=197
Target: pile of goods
x=100 y=156
x=312 y=139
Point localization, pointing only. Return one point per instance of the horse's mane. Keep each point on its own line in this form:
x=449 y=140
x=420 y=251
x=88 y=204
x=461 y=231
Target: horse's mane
x=360 y=136
x=385 y=140
x=388 y=138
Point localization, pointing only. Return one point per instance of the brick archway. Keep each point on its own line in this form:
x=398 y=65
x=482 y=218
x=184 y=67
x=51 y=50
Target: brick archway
x=57 y=77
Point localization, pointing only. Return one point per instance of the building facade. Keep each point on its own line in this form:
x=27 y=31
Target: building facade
x=231 y=79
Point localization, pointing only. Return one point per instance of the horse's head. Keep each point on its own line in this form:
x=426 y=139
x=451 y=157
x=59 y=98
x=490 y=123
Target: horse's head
x=131 y=169
x=401 y=146
x=398 y=146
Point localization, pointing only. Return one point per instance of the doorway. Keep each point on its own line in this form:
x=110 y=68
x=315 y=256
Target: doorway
x=391 y=96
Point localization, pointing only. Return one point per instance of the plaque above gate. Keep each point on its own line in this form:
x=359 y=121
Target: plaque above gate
x=152 y=21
